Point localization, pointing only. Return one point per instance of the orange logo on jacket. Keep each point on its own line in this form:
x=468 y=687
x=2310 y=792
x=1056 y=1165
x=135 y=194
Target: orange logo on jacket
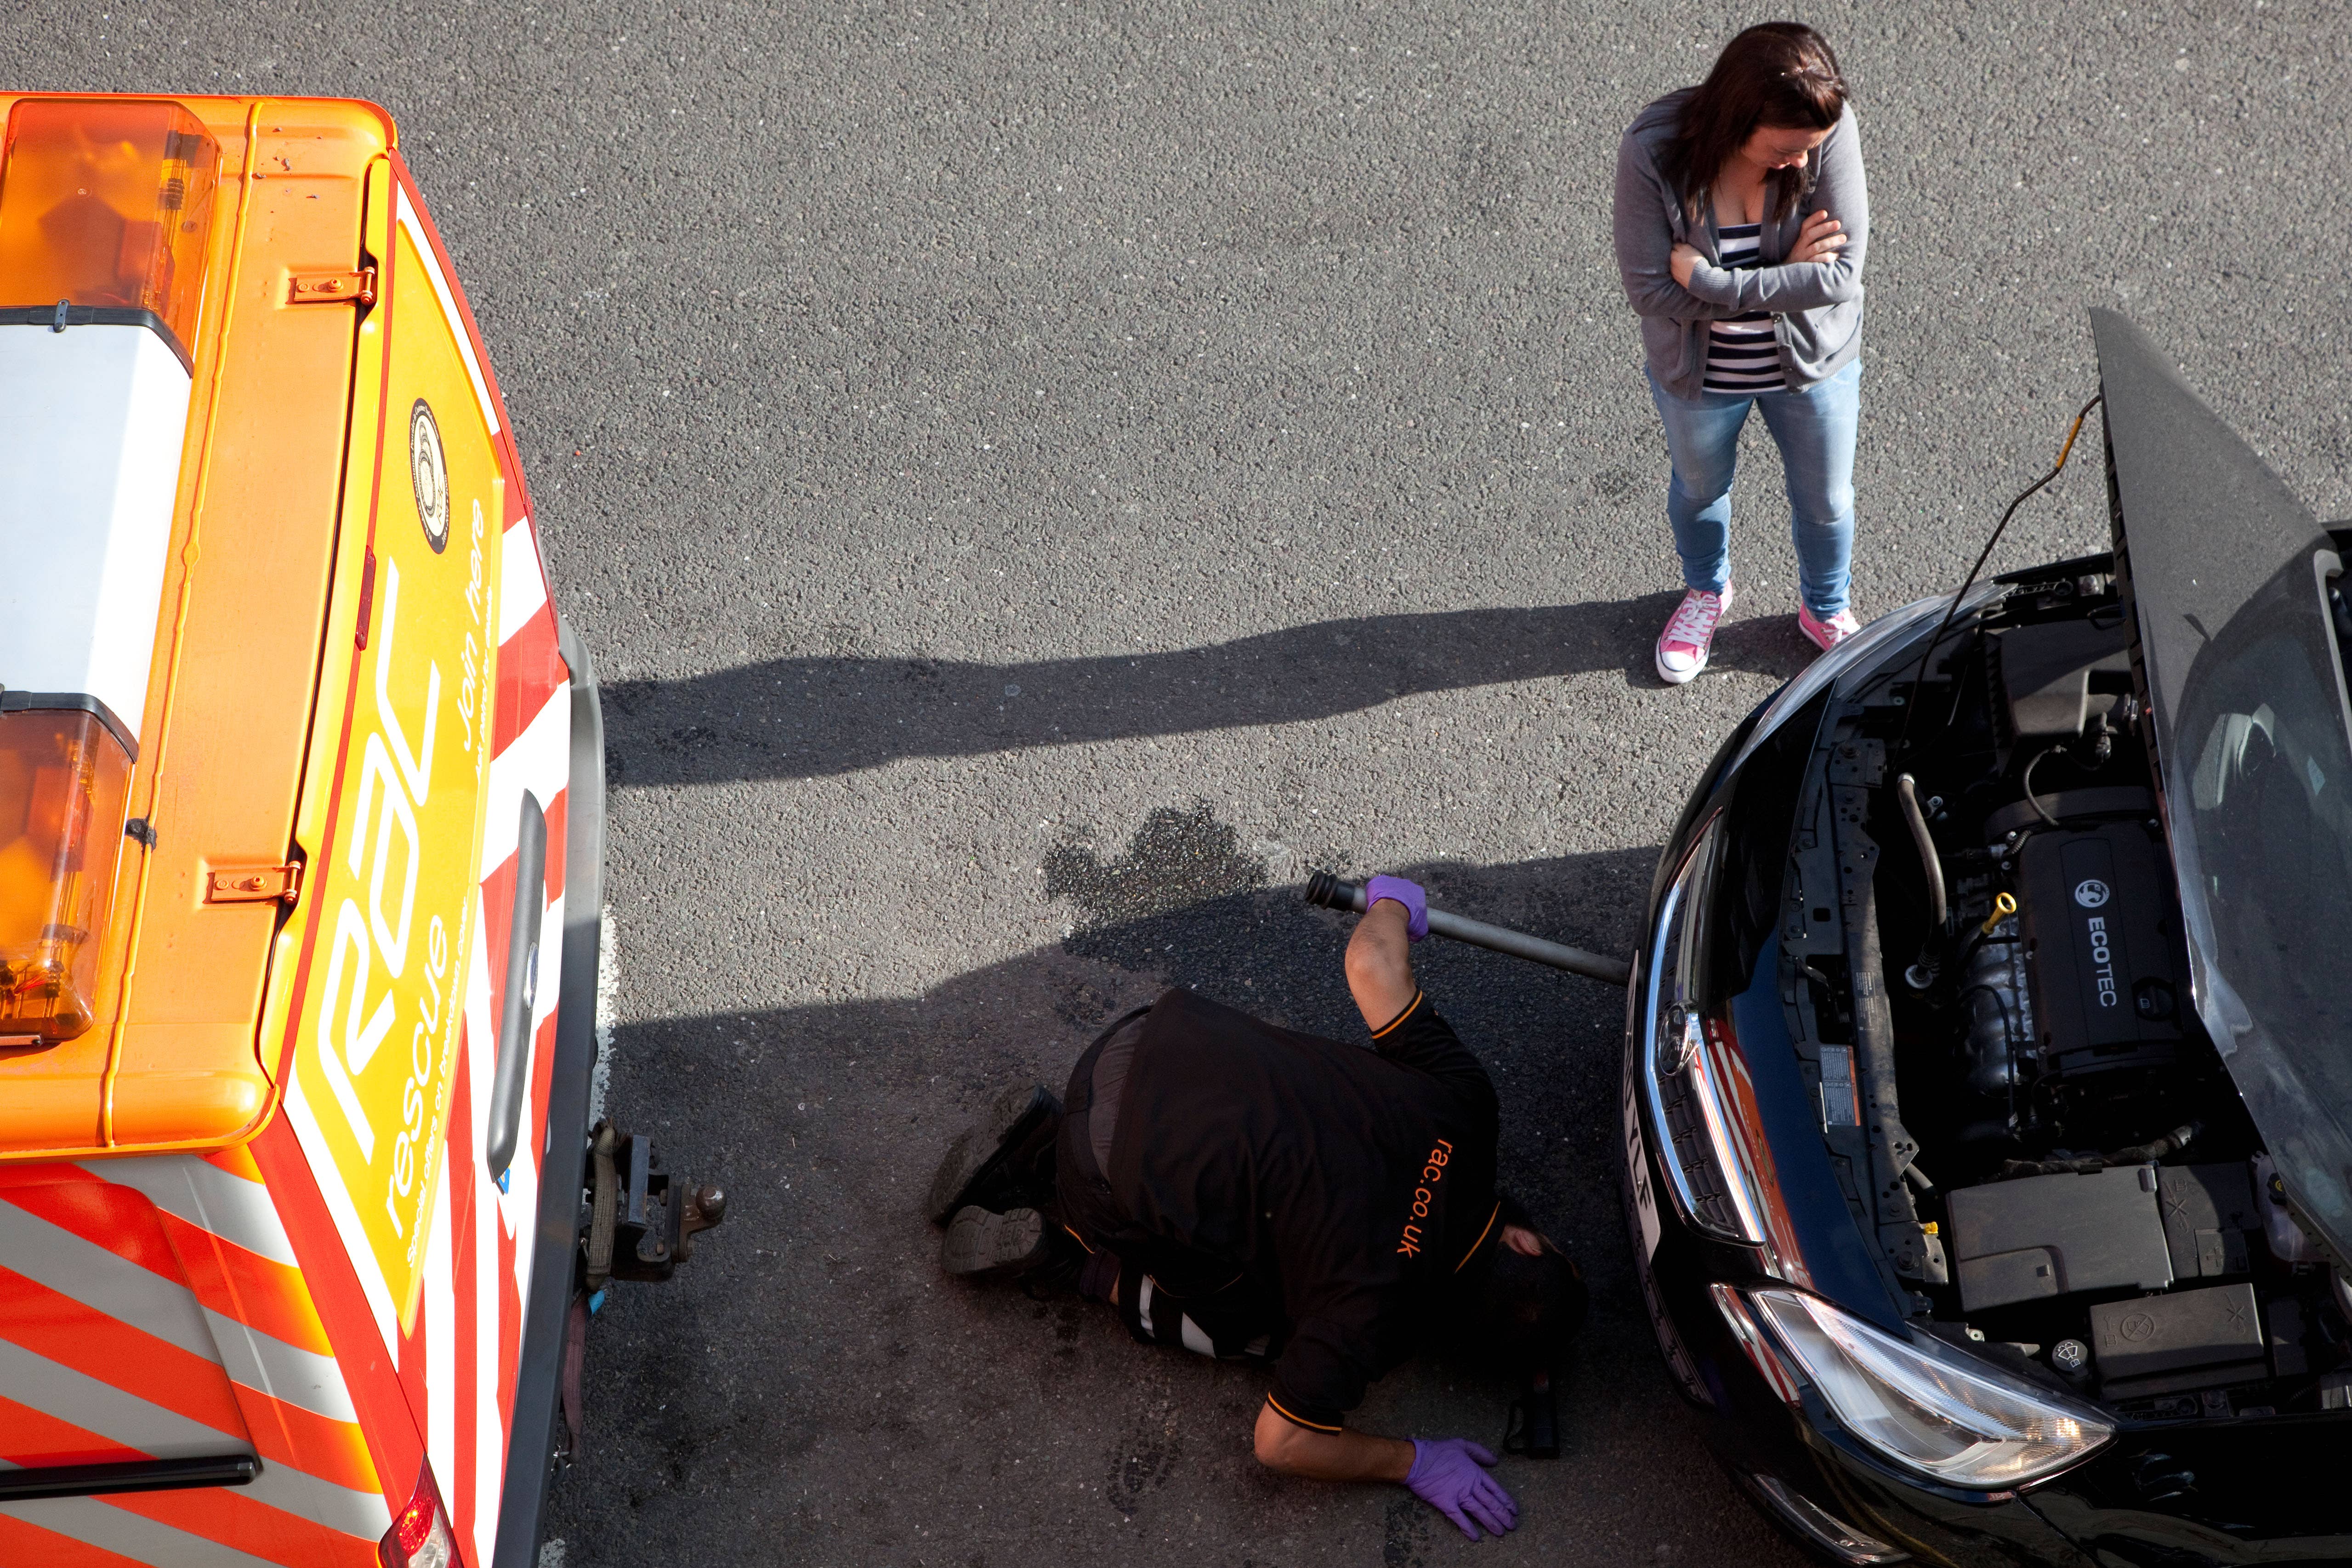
x=1430 y=1175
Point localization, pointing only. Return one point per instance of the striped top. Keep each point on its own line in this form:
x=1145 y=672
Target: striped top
x=1742 y=354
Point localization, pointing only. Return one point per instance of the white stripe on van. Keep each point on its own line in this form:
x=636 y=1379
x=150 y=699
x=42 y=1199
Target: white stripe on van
x=96 y=1522
x=113 y=1414
x=340 y=1508
x=338 y=1199
x=437 y=1313
x=207 y=1197
x=106 y=1282
x=281 y=1371
x=519 y=1203
x=537 y=760
x=520 y=582
x=449 y=310
x=490 y=1453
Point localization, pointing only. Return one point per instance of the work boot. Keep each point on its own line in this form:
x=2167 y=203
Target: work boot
x=1002 y=1161
x=1689 y=636
x=982 y=1241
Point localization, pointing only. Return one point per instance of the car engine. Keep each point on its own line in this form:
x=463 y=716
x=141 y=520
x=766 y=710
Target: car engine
x=2100 y=1212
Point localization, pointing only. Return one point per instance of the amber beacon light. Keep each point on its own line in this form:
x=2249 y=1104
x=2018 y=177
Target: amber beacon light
x=106 y=215
x=62 y=781
x=105 y=211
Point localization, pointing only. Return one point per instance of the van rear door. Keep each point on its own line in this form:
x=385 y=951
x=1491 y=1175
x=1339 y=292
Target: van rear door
x=422 y=997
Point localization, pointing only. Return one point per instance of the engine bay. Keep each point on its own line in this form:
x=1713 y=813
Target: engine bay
x=1985 y=964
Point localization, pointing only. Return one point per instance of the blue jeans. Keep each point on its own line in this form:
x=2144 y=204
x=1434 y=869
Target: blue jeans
x=1814 y=430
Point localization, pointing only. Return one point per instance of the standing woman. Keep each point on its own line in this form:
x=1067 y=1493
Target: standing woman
x=1741 y=222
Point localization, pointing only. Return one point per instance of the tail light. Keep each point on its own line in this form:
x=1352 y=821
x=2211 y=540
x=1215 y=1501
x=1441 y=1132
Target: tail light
x=63 y=779
x=108 y=205
x=420 y=1536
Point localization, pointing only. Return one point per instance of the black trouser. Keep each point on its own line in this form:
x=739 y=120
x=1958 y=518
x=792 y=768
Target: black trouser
x=1235 y=1321
x=1176 y=1301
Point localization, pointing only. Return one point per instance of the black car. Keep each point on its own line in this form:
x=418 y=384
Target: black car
x=1988 y=1098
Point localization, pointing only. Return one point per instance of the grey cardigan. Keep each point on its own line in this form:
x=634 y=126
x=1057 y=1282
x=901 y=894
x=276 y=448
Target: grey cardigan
x=1817 y=306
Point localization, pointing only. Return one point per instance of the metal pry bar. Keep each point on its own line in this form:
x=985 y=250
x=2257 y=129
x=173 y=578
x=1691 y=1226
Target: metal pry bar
x=1329 y=890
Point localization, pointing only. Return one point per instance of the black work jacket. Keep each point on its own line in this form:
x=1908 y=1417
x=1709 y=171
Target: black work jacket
x=1352 y=1185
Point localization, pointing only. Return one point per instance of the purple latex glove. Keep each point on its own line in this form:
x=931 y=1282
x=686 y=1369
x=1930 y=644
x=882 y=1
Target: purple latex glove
x=1408 y=894
x=1450 y=1475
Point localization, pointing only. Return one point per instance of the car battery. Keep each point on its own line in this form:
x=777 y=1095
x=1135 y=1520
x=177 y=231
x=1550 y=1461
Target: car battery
x=2190 y=1339
x=2053 y=1236
x=2096 y=908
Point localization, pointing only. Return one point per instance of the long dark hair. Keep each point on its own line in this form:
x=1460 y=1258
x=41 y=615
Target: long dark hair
x=1776 y=73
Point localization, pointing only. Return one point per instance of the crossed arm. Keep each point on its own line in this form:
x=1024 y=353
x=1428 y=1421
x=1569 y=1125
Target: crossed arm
x=1664 y=278
x=1811 y=275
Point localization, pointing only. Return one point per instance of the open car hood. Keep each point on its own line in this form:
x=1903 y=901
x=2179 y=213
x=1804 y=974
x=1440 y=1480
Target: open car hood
x=2227 y=573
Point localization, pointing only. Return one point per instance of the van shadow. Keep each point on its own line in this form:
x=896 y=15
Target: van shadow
x=811 y=1351
x=810 y=715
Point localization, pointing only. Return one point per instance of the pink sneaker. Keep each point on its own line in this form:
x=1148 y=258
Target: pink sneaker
x=1827 y=635
x=1683 y=645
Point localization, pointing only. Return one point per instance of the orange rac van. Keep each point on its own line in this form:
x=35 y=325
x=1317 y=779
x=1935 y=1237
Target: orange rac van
x=302 y=834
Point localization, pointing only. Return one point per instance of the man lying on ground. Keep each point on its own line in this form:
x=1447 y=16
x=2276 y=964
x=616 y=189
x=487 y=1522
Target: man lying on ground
x=1245 y=1191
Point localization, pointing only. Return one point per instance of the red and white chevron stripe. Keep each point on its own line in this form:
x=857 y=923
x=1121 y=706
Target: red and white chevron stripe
x=153 y=1308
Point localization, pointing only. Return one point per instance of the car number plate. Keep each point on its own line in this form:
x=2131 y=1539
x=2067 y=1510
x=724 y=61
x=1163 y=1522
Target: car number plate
x=1637 y=1167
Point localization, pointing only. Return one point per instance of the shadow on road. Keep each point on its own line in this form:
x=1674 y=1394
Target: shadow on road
x=809 y=716
x=810 y=1370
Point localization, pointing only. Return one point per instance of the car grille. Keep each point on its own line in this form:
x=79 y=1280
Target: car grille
x=1685 y=1127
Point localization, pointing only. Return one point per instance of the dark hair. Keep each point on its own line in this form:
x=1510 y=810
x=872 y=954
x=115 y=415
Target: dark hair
x=1776 y=73
x=1518 y=1312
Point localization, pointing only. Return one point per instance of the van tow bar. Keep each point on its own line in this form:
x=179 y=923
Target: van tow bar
x=642 y=1221
x=1325 y=889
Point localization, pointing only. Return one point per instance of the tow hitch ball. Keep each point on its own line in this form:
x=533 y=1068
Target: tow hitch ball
x=641 y=1220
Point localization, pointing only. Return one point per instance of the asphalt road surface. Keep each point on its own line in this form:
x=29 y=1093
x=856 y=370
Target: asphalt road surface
x=1039 y=479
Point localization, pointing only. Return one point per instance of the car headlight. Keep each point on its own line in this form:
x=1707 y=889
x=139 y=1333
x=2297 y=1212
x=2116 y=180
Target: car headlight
x=1870 y=646
x=1928 y=1406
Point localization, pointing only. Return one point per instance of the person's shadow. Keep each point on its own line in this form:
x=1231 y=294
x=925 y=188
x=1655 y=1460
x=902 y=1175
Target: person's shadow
x=809 y=716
